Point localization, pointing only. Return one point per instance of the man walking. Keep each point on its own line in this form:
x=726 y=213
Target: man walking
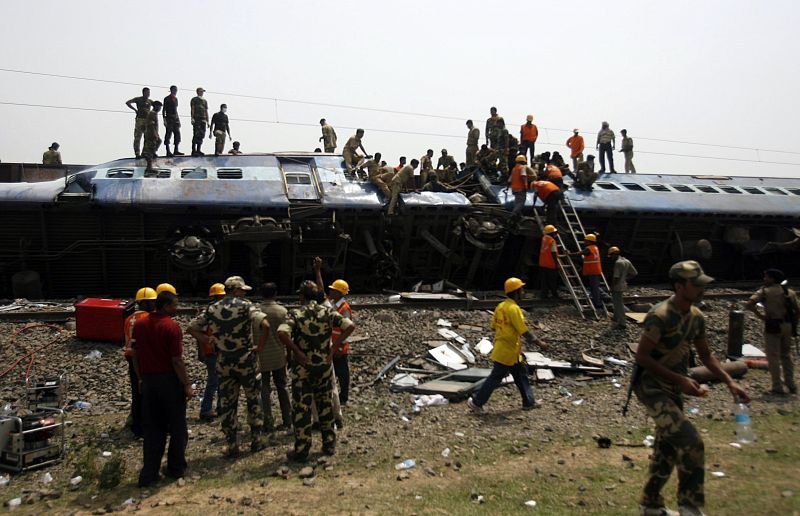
x=509 y=325
x=622 y=272
x=328 y=137
x=219 y=128
x=272 y=361
x=141 y=106
x=528 y=134
x=548 y=262
x=306 y=334
x=473 y=135
x=605 y=143
x=671 y=328
x=230 y=320
x=165 y=387
x=350 y=151
x=576 y=146
x=627 y=151
x=172 y=123
x=51 y=156
x=199 y=112
x=145 y=304
x=780 y=318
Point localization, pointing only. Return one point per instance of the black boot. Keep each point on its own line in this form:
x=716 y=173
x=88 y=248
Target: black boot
x=176 y=152
x=169 y=154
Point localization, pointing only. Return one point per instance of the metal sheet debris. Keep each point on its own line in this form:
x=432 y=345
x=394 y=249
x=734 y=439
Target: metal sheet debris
x=545 y=375
x=444 y=322
x=485 y=346
x=750 y=351
x=451 y=335
x=448 y=356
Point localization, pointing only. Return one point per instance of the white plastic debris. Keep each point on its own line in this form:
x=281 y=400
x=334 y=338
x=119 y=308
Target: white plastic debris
x=448 y=357
x=446 y=452
x=4 y=480
x=406 y=464
x=74 y=481
x=129 y=501
x=106 y=454
x=750 y=351
x=578 y=403
x=404 y=380
x=444 y=322
x=459 y=434
x=467 y=353
x=418 y=497
x=47 y=478
x=14 y=503
x=718 y=474
x=485 y=346
x=736 y=445
x=530 y=503
x=430 y=400
x=616 y=361
x=94 y=355
x=649 y=441
x=451 y=335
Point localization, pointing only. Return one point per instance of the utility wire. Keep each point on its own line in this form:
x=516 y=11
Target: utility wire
x=377 y=130
x=378 y=110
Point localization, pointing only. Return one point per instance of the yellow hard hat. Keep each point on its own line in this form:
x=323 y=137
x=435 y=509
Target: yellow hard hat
x=166 y=287
x=521 y=159
x=217 y=289
x=145 y=294
x=513 y=284
x=591 y=237
x=613 y=250
x=340 y=285
x=530 y=118
x=549 y=229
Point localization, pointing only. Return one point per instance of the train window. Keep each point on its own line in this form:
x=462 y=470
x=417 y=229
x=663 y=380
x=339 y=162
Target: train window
x=752 y=190
x=295 y=178
x=194 y=173
x=683 y=188
x=772 y=189
x=607 y=186
x=658 y=188
x=634 y=186
x=229 y=173
x=795 y=191
x=120 y=173
x=159 y=173
x=706 y=189
x=730 y=189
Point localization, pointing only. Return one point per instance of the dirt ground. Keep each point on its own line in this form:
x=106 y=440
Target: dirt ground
x=496 y=462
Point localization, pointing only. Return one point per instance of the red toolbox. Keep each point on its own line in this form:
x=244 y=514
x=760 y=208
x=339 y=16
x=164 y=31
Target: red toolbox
x=102 y=319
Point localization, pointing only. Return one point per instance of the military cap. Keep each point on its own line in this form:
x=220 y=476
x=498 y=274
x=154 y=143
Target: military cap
x=689 y=270
x=235 y=282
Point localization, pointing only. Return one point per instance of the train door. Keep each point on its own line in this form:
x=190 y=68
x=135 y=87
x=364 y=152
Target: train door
x=299 y=180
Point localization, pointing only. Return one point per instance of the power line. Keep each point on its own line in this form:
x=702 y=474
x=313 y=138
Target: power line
x=378 y=110
x=378 y=130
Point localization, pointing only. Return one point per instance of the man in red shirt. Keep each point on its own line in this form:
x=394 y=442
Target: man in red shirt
x=165 y=388
x=145 y=303
x=548 y=262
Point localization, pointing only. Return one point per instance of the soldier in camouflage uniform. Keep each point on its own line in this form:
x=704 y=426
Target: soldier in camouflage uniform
x=307 y=335
x=473 y=136
x=199 y=111
x=152 y=140
x=501 y=146
x=230 y=320
x=671 y=328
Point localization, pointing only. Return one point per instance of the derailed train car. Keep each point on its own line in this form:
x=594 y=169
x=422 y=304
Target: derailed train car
x=194 y=220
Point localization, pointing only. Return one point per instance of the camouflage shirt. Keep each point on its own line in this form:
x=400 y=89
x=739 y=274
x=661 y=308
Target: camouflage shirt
x=674 y=332
x=310 y=328
x=143 y=106
x=199 y=107
x=230 y=320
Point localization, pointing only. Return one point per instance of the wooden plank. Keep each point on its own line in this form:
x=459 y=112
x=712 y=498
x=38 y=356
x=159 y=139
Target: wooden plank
x=444 y=387
x=636 y=316
x=591 y=360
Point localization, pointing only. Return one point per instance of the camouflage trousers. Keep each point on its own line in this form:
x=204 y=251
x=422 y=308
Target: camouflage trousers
x=219 y=142
x=138 y=132
x=313 y=385
x=239 y=369
x=198 y=132
x=472 y=155
x=330 y=148
x=677 y=445
x=151 y=148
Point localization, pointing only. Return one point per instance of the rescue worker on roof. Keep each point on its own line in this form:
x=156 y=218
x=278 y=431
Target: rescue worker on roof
x=399 y=183
x=548 y=263
x=487 y=160
x=199 y=113
x=141 y=106
x=501 y=146
x=220 y=126
x=230 y=320
x=235 y=151
x=473 y=135
x=551 y=196
x=553 y=174
x=433 y=185
x=306 y=333
x=605 y=144
x=491 y=124
x=528 y=134
x=350 y=151
x=671 y=328
x=152 y=139
x=780 y=318
x=51 y=156
x=627 y=151
x=172 y=123
x=145 y=304
x=375 y=174
x=518 y=181
x=446 y=167
x=576 y=146
x=208 y=356
x=585 y=176
x=509 y=325
x=426 y=166
x=623 y=270
x=328 y=137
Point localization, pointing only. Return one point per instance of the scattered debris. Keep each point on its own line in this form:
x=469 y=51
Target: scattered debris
x=406 y=464
x=717 y=474
x=750 y=351
x=649 y=441
x=485 y=346
x=530 y=503
x=736 y=445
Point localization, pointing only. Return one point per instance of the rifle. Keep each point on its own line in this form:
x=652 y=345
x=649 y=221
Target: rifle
x=637 y=372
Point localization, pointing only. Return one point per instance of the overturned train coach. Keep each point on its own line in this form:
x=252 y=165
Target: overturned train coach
x=193 y=221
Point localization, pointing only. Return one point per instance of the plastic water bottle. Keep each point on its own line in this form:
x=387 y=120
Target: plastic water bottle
x=744 y=425
x=83 y=405
x=406 y=464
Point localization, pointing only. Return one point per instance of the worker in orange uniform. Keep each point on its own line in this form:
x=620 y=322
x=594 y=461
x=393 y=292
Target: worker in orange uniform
x=576 y=146
x=145 y=304
x=509 y=325
x=551 y=196
x=548 y=262
x=592 y=268
x=528 y=133
x=207 y=354
x=553 y=174
x=518 y=181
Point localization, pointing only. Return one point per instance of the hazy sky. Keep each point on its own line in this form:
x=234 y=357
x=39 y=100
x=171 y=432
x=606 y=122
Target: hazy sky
x=721 y=72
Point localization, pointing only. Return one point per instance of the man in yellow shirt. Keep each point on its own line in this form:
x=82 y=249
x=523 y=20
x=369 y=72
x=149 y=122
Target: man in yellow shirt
x=509 y=325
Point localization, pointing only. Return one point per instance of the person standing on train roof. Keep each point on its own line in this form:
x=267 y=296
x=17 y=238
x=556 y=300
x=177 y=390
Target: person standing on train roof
x=328 y=137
